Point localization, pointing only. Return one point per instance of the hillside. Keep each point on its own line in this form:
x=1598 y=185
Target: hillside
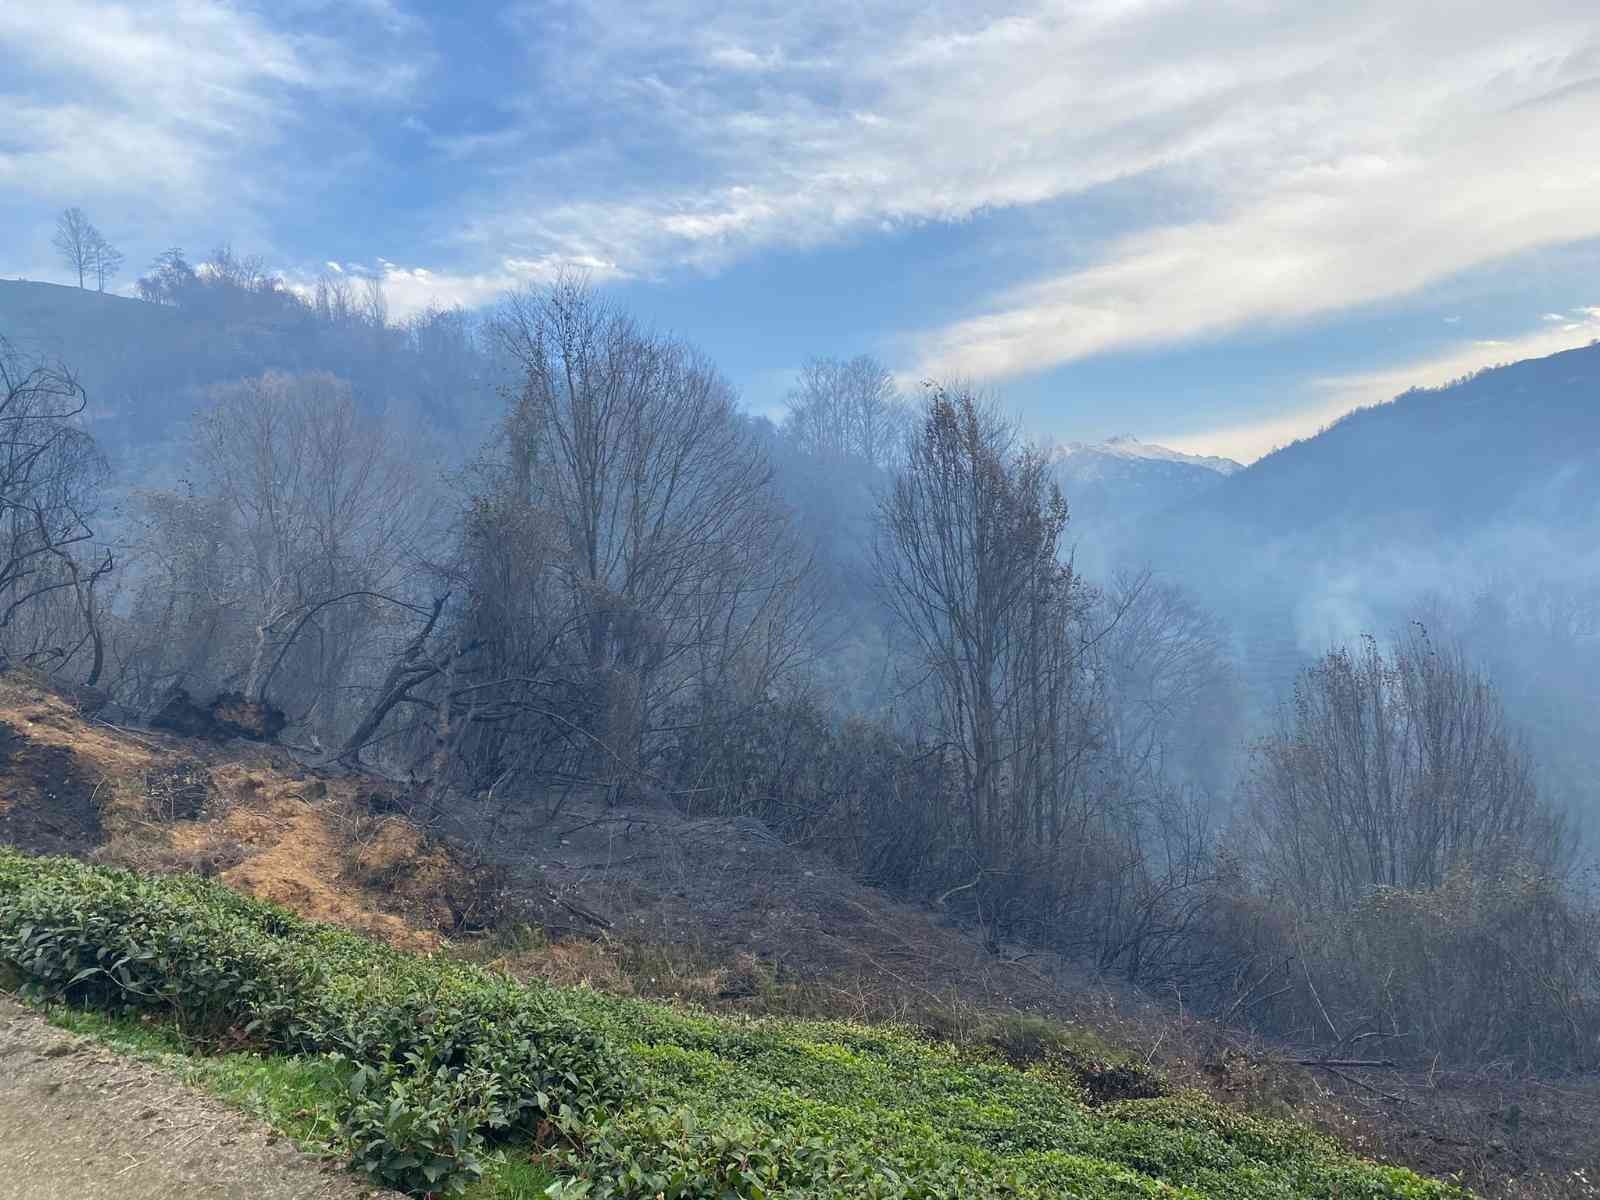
x=144 y=366
x=439 y=1064
x=1474 y=507
x=1511 y=451
x=1518 y=443
x=640 y=902
x=135 y=360
x=1113 y=487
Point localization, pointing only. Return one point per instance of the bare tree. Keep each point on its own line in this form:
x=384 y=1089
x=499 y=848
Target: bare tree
x=374 y=304
x=655 y=565
x=50 y=474
x=1053 y=705
x=1409 y=870
x=245 y=273
x=106 y=260
x=967 y=558
x=1390 y=770
x=335 y=299
x=75 y=241
x=171 y=278
x=306 y=523
x=1172 y=705
x=847 y=410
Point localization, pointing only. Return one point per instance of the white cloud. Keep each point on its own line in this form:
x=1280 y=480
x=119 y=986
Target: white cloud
x=1330 y=155
x=1338 y=395
x=169 y=104
x=1463 y=188
x=1299 y=159
x=410 y=290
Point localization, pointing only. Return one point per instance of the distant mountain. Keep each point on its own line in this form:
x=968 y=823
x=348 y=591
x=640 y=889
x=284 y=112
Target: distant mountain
x=1514 y=443
x=1113 y=486
x=1474 y=507
x=1500 y=471
x=1127 y=447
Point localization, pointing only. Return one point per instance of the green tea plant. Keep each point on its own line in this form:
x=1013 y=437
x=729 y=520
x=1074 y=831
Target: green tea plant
x=447 y=1074
x=439 y=1054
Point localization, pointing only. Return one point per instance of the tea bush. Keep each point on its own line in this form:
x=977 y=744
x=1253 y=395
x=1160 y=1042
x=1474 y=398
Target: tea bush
x=443 y=1067
x=429 y=1042
x=758 y=1108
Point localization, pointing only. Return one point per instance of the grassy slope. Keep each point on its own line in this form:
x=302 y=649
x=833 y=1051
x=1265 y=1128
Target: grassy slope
x=710 y=1097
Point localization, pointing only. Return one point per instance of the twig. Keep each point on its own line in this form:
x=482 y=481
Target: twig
x=1245 y=995
x=621 y=862
x=605 y=821
x=1338 y=1038
x=128 y=733
x=577 y=911
x=193 y=1136
x=1379 y=1092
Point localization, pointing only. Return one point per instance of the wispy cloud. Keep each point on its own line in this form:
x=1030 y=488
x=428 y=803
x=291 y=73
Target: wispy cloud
x=1327 y=156
x=1292 y=160
x=171 y=104
x=1436 y=169
x=410 y=290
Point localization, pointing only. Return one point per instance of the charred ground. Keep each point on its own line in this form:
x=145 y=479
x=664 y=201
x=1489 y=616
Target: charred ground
x=719 y=913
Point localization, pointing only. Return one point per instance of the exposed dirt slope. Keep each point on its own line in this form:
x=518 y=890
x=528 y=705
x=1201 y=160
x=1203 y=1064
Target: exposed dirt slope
x=728 y=894
x=319 y=843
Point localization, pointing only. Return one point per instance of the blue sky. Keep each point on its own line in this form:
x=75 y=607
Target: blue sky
x=1216 y=225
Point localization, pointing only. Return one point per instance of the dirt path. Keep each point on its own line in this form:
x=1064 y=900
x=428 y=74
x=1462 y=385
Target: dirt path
x=78 y=1122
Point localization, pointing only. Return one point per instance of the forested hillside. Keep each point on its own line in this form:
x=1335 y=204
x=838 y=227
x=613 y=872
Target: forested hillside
x=145 y=364
x=540 y=560
x=1473 y=508
x=1517 y=443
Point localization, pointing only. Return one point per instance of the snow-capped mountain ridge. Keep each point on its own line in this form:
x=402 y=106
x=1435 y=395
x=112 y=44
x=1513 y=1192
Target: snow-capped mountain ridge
x=1127 y=446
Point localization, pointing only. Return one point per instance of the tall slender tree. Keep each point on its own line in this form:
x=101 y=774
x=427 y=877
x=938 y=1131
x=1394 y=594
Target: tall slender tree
x=105 y=259
x=967 y=559
x=75 y=241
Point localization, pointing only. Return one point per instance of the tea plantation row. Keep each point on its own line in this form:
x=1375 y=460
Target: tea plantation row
x=442 y=1065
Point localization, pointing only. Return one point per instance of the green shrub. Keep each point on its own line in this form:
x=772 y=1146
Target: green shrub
x=671 y=1156
x=442 y=1069
x=419 y=1130
x=440 y=1053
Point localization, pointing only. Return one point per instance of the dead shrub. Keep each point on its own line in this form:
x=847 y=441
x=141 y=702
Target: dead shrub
x=157 y=856
x=1489 y=967
x=462 y=892
x=527 y=952
x=476 y=895
x=179 y=791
